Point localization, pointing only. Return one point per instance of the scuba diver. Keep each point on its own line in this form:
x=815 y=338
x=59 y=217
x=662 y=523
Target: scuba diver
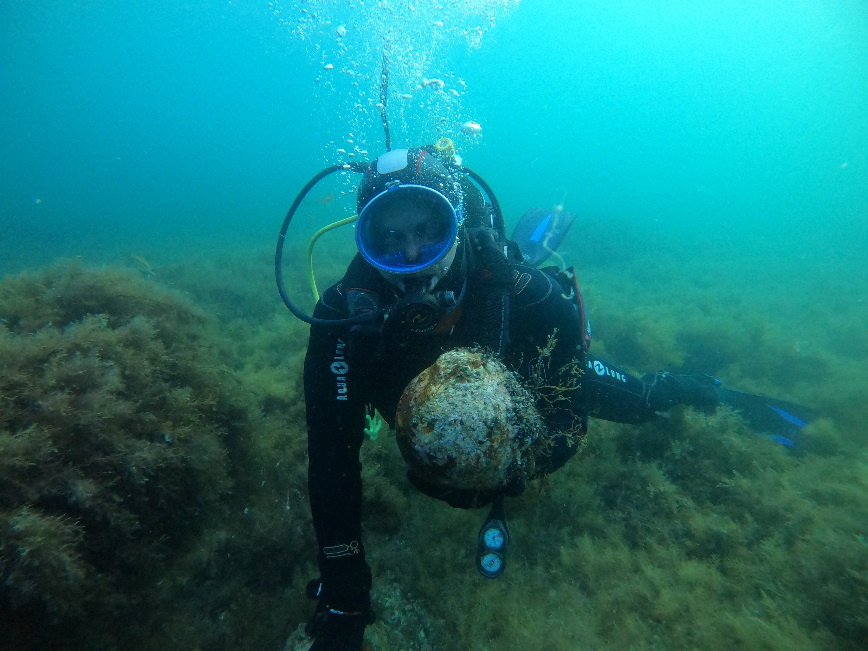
x=435 y=272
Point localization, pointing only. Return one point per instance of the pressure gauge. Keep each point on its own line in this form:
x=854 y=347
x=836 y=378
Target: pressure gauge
x=493 y=538
x=491 y=565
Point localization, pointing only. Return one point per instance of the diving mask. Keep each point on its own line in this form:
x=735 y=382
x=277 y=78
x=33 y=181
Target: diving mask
x=407 y=229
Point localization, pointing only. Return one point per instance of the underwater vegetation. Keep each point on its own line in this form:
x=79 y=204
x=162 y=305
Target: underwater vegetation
x=113 y=441
x=153 y=483
x=121 y=436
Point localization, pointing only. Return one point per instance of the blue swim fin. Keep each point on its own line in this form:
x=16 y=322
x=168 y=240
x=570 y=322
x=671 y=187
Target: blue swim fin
x=777 y=420
x=540 y=232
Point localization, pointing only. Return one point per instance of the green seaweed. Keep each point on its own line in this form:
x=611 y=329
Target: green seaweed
x=112 y=443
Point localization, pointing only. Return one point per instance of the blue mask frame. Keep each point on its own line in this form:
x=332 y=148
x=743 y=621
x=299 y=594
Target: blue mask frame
x=395 y=261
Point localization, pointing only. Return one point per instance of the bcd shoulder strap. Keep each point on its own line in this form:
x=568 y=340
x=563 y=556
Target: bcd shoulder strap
x=569 y=284
x=493 y=277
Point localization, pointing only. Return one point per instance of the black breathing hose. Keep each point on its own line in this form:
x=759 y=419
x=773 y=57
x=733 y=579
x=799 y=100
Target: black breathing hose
x=499 y=224
x=278 y=255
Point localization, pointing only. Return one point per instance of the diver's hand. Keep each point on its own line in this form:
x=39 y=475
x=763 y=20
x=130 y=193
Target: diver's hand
x=337 y=625
x=458 y=498
x=665 y=390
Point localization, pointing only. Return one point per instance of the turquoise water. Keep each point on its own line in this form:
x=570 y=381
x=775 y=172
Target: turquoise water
x=139 y=124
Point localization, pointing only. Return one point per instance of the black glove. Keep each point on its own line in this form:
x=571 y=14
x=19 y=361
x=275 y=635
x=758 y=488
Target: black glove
x=338 y=624
x=462 y=498
x=458 y=498
x=664 y=390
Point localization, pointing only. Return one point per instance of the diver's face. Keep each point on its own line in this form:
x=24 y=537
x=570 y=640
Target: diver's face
x=411 y=229
x=409 y=234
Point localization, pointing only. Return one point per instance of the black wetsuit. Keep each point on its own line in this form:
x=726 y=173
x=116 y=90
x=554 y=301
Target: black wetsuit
x=508 y=308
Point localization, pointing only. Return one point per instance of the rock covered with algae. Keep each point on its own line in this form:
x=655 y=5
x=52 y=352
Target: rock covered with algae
x=466 y=422
x=114 y=427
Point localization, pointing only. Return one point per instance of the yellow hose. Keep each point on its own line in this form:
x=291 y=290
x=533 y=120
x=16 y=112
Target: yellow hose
x=316 y=236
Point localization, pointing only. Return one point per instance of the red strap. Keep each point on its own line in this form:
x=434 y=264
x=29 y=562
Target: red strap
x=419 y=161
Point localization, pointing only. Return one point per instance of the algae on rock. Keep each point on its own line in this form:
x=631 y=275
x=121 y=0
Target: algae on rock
x=113 y=440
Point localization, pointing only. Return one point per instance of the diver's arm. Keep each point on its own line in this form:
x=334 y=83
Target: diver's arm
x=335 y=421
x=609 y=393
